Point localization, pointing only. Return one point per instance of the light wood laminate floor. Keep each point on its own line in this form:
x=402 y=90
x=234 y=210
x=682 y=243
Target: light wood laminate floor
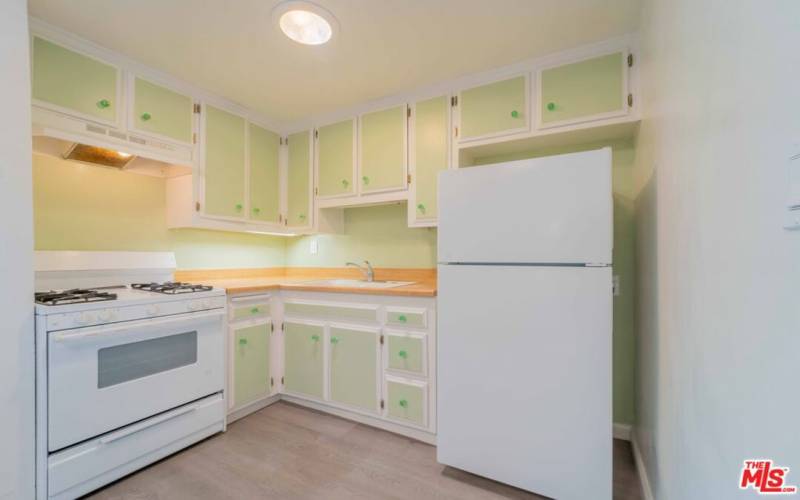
x=289 y=452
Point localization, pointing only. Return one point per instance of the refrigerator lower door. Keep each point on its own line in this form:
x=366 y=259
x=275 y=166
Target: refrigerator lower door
x=524 y=374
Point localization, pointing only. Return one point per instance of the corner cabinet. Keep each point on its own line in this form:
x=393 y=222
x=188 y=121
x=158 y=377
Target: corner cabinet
x=300 y=186
x=589 y=89
x=429 y=151
x=224 y=164
x=336 y=159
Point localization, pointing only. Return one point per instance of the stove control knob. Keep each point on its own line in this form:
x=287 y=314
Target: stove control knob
x=152 y=310
x=85 y=318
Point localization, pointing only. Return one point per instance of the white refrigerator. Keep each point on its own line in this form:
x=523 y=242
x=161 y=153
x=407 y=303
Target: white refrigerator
x=524 y=323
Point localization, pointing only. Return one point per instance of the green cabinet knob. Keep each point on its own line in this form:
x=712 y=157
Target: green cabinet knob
x=302 y=216
x=421 y=207
x=334 y=340
x=403 y=403
x=345 y=183
x=238 y=207
x=315 y=338
x=402 y=318
x=515 y=114
x=242 y=341
x=403 y=354
x=254 y=310
x=365 y=179
x=551 y=106
x=146 y=117
x=103 y=103
x=256 y=210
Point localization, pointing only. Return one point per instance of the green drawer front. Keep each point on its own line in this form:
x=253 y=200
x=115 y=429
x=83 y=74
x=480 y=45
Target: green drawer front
x=494 y=108
x=250 y=311
x=73 y=81
x=304 y=358
x=251 y=363
x=332 y=312
x=582 y=89
x=406 y=402
x=162 y=111
x=354 y=365
x=406 y=353
x=416 y=319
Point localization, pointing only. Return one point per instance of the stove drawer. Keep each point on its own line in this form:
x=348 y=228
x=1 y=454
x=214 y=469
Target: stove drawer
x=90 y=465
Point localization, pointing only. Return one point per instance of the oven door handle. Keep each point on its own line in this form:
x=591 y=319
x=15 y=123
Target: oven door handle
x=104 y=331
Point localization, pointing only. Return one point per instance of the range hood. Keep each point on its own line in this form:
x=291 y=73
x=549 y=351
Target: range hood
x=98 y=155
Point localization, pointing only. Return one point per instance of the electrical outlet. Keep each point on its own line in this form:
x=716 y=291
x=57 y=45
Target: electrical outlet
x=314 y=246
x=615 y=285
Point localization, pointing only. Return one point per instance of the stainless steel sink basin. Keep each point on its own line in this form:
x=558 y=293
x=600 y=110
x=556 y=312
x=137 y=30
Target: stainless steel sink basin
x=357 y=283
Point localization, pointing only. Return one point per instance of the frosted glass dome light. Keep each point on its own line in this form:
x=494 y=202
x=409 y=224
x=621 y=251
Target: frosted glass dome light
x=305 y=22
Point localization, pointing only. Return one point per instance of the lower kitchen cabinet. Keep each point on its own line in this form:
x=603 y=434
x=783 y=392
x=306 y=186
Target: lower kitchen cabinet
x=304 y=358
x=251 y=363
x=405 y=351
x=354 y=360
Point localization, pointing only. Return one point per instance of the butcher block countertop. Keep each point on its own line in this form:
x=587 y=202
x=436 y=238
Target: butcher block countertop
x=236 y=281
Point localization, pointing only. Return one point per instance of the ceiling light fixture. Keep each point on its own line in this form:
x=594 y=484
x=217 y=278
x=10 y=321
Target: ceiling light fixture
x=305 y=22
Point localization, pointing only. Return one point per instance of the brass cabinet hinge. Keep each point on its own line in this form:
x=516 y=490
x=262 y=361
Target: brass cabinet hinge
x=316 y=134
x=282 y=382
x=282 y=329
x=456 y=132
x=271 y=381
x=316 y=191
x=194 y=138
x=630 y=100
x=197 y=206
x=408 y=179
x=280 y=218
x=408 y=112
x=286 y=140
x=272 y=327
x=280 y=141
x=630 y=60
x=382 y=404
x=381 y=339
x=197 y=108
x=454 y=101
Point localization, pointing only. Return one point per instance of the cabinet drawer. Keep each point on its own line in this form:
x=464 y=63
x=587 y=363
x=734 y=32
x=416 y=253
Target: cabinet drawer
x=407 y=401
x=406 y=352
x=87 y=466
x=242 y=308
x=340 y=312
x=406 y=317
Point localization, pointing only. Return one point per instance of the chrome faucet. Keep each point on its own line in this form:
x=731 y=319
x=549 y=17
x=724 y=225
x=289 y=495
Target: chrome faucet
x=369 y=273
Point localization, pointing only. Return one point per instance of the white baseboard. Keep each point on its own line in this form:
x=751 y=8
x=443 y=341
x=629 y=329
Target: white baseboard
x=647 y=491
x=253 y=407
x=622 y=431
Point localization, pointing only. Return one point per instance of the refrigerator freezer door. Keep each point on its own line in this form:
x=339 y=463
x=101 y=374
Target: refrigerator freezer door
x=524 y=374
x=557 y=209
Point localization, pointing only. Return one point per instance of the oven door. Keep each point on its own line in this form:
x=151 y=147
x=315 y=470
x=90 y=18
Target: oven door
x=105 y=377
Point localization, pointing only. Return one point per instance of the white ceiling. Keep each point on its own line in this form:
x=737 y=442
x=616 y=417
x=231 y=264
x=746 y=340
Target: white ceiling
x=385 y=46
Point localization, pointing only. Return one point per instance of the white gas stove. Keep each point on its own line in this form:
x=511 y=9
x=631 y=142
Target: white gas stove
x=126 y=373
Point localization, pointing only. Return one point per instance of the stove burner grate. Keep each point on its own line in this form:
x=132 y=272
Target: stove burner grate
x=171 y=287
x=74 y=296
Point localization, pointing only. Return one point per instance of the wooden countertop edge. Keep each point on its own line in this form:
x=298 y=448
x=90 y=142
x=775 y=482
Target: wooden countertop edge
x=403 y=291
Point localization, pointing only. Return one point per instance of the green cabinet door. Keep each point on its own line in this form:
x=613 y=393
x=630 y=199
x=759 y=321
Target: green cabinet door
x=74 y=81
x=582 y=90
x=161 y=111
x=406 y=401
x=354 y=367
x=335 y=159
x=383 y=150
x=265 y=186
x=224 y=163
x=430 y=154
x=250 y=363
x=304 y=358
x=299 y=179
x=494 y=109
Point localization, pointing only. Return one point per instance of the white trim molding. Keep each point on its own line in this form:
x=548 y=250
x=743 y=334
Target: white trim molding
x=644 y=479
x=622 y=431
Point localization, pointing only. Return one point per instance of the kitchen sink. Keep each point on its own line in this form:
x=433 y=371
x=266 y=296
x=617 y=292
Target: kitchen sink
x=357 y=283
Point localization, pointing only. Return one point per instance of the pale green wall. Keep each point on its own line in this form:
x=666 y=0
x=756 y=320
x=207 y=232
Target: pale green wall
x=624 y=265
x=85 y=207
x=378 y=234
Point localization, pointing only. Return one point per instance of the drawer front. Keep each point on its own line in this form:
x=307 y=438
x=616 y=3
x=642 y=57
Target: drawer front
x=240 y=312
x=407 y=317
x=340 y=312
x=406 y=352
x=407 y=400
x=87 y=466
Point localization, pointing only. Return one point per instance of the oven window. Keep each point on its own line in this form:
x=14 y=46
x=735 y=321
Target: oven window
x=126 y=362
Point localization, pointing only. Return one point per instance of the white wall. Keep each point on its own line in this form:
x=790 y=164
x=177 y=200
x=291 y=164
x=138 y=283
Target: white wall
x=16 y=258
x=719 y=278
